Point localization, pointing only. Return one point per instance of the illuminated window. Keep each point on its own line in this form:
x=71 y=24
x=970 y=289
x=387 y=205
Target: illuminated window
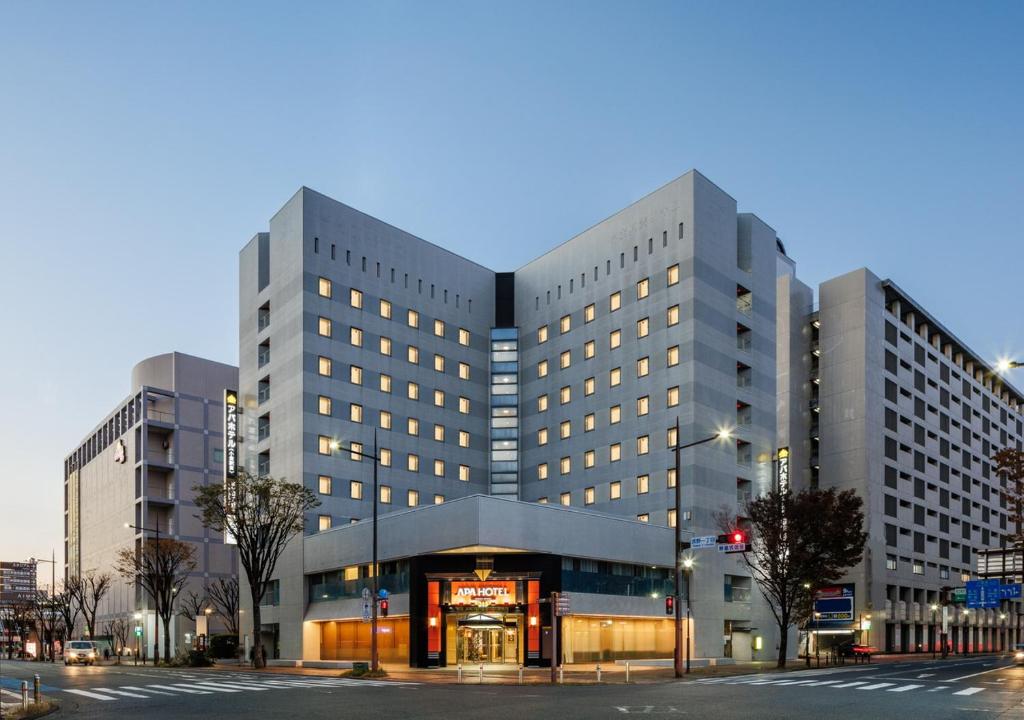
x=614 y=301
x=385 y=494
x=564 y=499
x=355 y=452
x=614 y=414
x=615 y=490
x=413 y=355
x=588 y=496
x=439 y=363
x=542 y=436
x=438 y=499
x=355 y=375
x=412 y=318
x=412 y=426
x=542 y=403
x=643 y=406
x=438 y=468
x=589 y=349
x=588 y=422
x=588 y=386
x=671 y=517
x=614 y=452
x=643 y=517
x=672 y=356
x=673 y=396
x=588 y=313
x=439 y=398
x=324 y=366
x=324 y=405
x=463 y=439
x=673 y=315
x=385 y=420
x=355 y=412
x=385 y=457
x=324 y=327
x=464 y=405
x=439 y=433
x=542 y=501
x=325 y=287
x=671 y=477
x=565 y=324
x=615 y=377
x=565 y=395
x=355 y=298
x=324 y=482
x=589 y=458
x=412 y=391
x=565 y=429
x=542 y=471
x=643 y=326
x=439 y=328
x=464 y=473
x=670 y=437
x=542 y=334
x=565 y=359
x=673 y=274
x=325 y=522
x=643 y=367
x=643 y=445
x=643 y=289
x=463 y=371
x=385 y=346
x=463 y=337
x=385 y=383
x=643 y=483
x=323 y=445
x=412 y=462
x=355 y=489
x=385 y=309
x=614 y=339
x=565 y=466
x=542 y=369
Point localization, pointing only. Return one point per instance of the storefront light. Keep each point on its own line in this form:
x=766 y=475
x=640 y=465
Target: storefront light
x=533 y=620
x=433 y=622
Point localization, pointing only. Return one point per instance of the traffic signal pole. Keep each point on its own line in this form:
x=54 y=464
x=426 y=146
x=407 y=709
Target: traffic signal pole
x=554 y=638
x=677 y=656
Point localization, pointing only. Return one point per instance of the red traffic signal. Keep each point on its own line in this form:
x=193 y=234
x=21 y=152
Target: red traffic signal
x=670 y=604
x=738 y=536
x=384 y=607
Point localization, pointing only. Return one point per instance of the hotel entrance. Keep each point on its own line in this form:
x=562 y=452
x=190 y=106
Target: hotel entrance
x=487 y=638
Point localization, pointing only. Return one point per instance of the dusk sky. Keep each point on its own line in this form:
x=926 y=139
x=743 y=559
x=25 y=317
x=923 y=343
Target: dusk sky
x=142 y=144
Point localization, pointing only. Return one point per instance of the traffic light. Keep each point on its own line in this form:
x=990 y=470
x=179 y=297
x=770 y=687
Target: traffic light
x=670 y=604
x=384 y=607
x=738 y=539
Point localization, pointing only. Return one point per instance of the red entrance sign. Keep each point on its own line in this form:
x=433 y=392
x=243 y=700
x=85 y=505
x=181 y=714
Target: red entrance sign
x=492 y=592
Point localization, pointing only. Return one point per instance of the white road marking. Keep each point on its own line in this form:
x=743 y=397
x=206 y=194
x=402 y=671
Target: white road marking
x=850 y=684
x=214 y=688
x=179 y=689
x=86 y=693
x=969 y=691
x=823 y=682
x=924 y=675
x=936 y=689
x=904 y=688
x=138 y=689
x=120 y=692
x=876 y=686
x=964 y=677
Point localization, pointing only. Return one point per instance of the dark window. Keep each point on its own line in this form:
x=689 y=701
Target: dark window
x=944 y=548
x=890 y=449
x=890 y=419
x=944 y=523
x=919 y=488
x=890 y=535
x=919 y=542
x=890 y=477
x=919 y=354
x=890 y=506
x=890 y=391
x=891 y=363
x=919 y=383
x=890 y=333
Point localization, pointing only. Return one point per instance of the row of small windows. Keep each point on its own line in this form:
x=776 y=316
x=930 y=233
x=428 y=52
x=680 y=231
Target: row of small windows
x=643 y=447
x=672 y=271
x=325 y=328
x=615 y=493
x=643 y=408
x=325 y=446
x=385 y=421
x=643 y=368
x=412 y=499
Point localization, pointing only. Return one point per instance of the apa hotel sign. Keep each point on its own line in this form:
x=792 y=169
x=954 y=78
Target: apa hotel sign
x=492 y=592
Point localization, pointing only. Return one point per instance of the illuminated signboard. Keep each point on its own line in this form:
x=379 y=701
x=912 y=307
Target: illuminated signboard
x=833 y=605
x=230 y=452
x=492 y=592
x=783 y=469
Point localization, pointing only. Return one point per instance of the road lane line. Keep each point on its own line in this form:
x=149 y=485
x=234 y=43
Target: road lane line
x=138 y=689
x=850 y=684
x=120 y=692
x=876 y=686
x=904 y=688
x=969 y=691
x=175 y=688
x=86 y=693
x=964 y=677
x=823 y=682
x=214 y=688
x=240 y=686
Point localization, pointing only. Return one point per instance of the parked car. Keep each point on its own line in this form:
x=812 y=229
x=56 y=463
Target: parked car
x=856 y=650
x=1018 y=654
x=81 y=651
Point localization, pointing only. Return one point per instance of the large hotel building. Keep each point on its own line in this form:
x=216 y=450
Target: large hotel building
x=524 y=422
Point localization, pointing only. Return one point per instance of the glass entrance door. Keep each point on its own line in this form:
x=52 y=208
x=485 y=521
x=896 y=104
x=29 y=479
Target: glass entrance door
x=481 y=644
x=480 y=638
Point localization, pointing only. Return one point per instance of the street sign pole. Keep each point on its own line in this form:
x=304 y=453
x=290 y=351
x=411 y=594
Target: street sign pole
x=554 y=638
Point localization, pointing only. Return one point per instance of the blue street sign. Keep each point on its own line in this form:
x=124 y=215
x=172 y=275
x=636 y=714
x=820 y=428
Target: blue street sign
x=732 y=547
x=382 y=594
x=983 y=594
x=704 y=541
x=1010 y=592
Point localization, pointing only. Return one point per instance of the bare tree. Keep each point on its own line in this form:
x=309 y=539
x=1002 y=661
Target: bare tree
x=68 y=608
x=191 y=605
x=119 y=629
x=89 y=589
x=16 y=619
x=45 y=616
x=224 y=594
x=1010 y=468
x=263 y=515
x=161 y=567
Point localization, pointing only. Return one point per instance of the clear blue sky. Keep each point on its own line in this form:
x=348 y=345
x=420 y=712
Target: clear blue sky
x=142 y=143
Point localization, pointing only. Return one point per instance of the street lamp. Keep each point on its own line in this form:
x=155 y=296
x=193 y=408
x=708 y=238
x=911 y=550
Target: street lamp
x=678 y=655
x=53 y=594
x=156 y=622
x=817 y=638
x=807 y=634
x=138 y=635
x=933 y=607
x=1004 y=364
x=375 y=457
x=688 y=569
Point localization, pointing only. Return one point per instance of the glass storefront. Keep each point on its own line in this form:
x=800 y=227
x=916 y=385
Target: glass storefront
x=594 y=639
x=350 y=640
x=491 y=637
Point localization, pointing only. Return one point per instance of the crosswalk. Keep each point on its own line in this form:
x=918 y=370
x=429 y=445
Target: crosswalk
x=195 y=684
x=812 y=679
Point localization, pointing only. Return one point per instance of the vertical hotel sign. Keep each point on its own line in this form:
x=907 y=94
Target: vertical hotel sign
x=230 y=455
x=783 y=469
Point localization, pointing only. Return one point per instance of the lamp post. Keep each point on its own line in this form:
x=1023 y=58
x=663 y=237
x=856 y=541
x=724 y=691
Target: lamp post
x=156 y=621
x=817 y=638
x=1004 y=364
x=374 y=660
x=138 y=636
x=933 y=608
x=678 y=564
x=688 y=569
x=53 y=594
x=807 y=639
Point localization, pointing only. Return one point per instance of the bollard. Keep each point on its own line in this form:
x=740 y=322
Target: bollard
x=599 y=672
x=481 y=673
x=627 y=672
x=24 y=695
x=460 y=673
x=520 y=673
x=560 y=676
x=37 y=696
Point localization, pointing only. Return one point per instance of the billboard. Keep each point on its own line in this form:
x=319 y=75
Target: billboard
x=230 y=454
x=833 y=606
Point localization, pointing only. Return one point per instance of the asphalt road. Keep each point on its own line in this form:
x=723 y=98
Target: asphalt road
x=956 y=688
